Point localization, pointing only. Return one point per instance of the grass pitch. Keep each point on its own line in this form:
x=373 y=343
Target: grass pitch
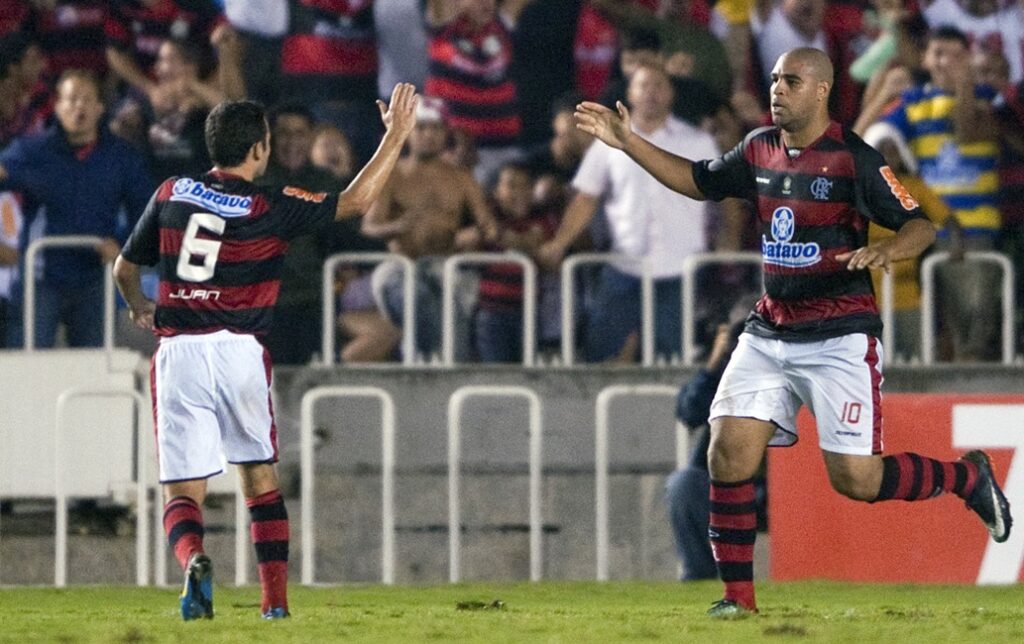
x=546 y=612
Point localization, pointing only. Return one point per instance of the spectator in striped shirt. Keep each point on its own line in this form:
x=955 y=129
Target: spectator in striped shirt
x=470 y=55
x=524 y=228
x=950 y=126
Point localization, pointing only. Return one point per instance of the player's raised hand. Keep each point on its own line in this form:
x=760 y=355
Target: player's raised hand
x=610 y=126
x=399 y=116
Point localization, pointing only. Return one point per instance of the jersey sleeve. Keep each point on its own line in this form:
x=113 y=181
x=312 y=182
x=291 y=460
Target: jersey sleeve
x=143 y=245
x=730 y=175
x=879 y=194
x=300 y=211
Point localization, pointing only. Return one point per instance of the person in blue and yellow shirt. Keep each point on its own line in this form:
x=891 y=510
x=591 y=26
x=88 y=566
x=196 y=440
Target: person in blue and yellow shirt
x=950 y=128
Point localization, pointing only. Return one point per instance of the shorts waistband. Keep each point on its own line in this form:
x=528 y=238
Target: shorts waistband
x=206 y=338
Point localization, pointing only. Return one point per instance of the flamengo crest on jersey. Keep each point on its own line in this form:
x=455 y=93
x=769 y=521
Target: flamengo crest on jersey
x=218 y=203
x=782 y=251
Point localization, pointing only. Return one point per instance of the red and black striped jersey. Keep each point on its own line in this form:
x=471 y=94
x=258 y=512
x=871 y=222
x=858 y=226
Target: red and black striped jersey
x=71 y=32
x=139 y=29
x=219 y=243
x=471 y=71
x=813 y=204
x=330 y=52
x=501 y=285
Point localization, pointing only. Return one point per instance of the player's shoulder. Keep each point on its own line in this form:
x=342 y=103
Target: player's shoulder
x=763 y=133
x=863 y=154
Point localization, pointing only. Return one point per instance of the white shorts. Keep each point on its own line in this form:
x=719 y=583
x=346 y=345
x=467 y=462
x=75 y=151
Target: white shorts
x=211 y=400
x=839 y=380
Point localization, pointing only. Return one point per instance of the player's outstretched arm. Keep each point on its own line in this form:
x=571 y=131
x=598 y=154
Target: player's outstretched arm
x=399 y=118
x=910 y=241
x=127 y=276
x=612 y=127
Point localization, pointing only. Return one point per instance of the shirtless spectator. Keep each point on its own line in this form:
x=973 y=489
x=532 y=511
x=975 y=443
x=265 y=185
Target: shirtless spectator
x=421 y=214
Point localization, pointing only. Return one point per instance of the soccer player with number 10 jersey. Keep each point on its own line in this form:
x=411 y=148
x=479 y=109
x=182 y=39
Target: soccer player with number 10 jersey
x=812 y=338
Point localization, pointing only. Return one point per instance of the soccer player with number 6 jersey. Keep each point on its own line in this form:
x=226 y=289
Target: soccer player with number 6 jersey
x=219 y=241
x=812 y=338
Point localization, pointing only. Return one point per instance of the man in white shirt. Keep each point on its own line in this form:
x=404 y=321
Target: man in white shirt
x=647 y=222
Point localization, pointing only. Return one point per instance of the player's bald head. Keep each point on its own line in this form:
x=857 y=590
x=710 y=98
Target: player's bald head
x=815 y=63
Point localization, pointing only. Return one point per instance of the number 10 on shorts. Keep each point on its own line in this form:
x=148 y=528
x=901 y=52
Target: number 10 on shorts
x=851 y=413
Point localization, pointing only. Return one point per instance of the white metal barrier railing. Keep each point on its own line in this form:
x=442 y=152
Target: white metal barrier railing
x=455 y=405
x=691 y=265
x=928 y=301
x=29 y=305
x=887 y=309
x=569 y=266
x=603 y=405
x=408 y=303
x=60 y=574
x=451 y=267
x=387 y=403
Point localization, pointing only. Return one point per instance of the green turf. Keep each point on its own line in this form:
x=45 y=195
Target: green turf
x=546 y=612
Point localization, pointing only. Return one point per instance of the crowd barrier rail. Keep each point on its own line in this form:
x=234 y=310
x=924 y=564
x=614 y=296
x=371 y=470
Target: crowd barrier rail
x=601 y=431
x=451 y=268
x=408 y=305
x=928 y=301
x=61 y=492
x=455 y=404
x=309 y=400
x=29 y=307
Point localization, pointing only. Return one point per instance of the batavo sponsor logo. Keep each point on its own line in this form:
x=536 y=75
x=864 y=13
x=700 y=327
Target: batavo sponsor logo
x=219 y=203
x=305 y=195
x=782 y=251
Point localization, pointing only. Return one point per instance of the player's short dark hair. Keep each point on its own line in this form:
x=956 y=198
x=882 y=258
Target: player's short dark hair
x=292 y=108
x=232 y=128
x=949 y=32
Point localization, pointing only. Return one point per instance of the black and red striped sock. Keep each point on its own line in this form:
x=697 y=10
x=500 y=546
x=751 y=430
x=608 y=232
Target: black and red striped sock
x=732 y=529
x=183 y=525
x=270 y=536
x=911 y=477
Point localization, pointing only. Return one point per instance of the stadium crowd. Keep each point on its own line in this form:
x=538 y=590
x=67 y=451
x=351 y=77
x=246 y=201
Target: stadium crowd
x=102 y=100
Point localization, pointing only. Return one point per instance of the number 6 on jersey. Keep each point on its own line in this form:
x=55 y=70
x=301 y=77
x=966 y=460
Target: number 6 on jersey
x=192 y=246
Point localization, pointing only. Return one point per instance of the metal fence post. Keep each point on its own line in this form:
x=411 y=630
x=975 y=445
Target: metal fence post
x=29 y=301
x=604 y=400
x=408 y=304
x=61 y=492
x=387 y=403
x=451 y=267
x=455 y=405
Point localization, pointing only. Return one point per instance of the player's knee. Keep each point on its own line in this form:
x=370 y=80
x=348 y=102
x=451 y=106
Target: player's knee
x=727 y=463
x=854 y=487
